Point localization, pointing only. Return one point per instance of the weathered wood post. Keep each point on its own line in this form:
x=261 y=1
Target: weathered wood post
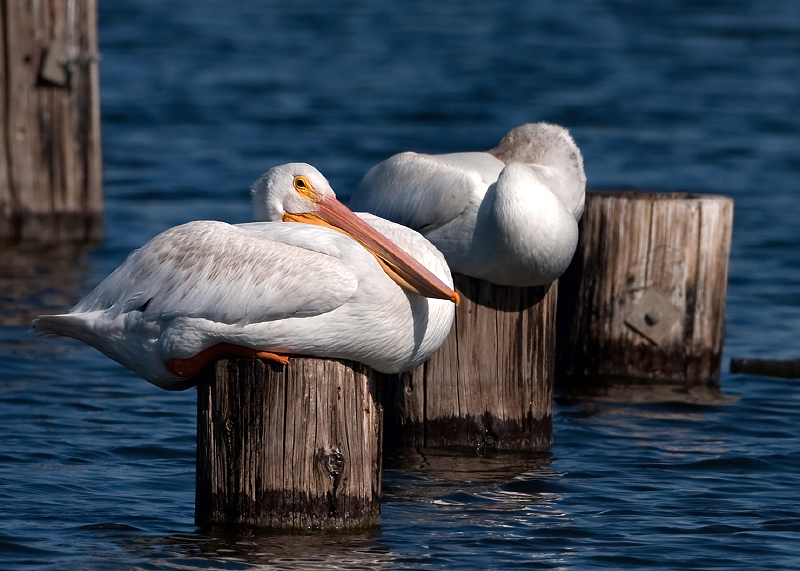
x=50 y=156
x=490 y=385
x=644 y=297
x=294 y=447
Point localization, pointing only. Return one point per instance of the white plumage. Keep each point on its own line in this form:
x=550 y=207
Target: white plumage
x=281 y=287
x=508 y=216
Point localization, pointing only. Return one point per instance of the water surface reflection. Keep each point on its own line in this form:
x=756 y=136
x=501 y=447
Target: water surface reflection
x=701 y=394
x=253 y=548
x=36 y=280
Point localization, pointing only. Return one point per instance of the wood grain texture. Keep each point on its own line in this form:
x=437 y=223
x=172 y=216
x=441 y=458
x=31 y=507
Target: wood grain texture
x=50 y=155
x=295 y=447
x=490 y=385
x=674 y=244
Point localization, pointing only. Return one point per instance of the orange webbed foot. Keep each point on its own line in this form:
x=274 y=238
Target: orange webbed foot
x=282 y=359
x=186 y=368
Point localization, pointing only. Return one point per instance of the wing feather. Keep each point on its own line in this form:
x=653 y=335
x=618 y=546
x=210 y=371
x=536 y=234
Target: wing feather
x=422 y=191
x=228 y=274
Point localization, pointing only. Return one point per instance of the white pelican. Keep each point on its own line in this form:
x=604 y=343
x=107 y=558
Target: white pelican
x=508 y=216
x=320 y=282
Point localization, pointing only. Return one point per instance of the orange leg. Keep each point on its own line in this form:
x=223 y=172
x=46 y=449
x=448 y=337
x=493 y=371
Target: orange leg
x=186 y=368
x=282 y=359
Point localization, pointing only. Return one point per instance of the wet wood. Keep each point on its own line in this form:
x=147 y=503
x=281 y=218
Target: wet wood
x=490 y=385
x=643 y=258
x=50 y=156
x=767 y=367
x=294 y=447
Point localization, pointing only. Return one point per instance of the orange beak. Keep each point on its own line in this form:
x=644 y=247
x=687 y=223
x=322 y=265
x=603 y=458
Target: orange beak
x=398 y=265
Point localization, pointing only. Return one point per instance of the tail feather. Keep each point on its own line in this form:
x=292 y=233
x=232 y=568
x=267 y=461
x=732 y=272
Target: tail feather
x=65 y=324
x=141 y=356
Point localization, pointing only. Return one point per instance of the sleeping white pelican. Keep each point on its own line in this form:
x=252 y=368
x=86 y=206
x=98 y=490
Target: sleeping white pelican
x=320 y=282
x=507 y=216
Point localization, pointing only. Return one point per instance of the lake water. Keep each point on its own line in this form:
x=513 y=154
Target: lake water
x=200 y=98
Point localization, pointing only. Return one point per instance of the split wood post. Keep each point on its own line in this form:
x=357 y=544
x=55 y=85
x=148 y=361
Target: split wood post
x=295 y=447
x=644 y=297
x=490 y=385
x=50 y=156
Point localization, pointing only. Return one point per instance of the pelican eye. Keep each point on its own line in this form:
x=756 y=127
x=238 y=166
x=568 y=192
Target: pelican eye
x=304 y=188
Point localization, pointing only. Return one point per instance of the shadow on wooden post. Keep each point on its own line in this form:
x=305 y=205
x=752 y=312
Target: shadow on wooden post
x=644 y=297
x=294 y=447
x=490 y=385
x=50 y=155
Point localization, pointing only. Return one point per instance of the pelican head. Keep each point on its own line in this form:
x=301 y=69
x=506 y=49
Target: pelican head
x=297 y=192
x=552 y=150
x=294 y=188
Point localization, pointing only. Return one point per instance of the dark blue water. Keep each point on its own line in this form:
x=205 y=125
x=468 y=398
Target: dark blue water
x=201 y=97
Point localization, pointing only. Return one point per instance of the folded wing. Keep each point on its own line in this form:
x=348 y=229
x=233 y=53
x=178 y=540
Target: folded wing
x=228 y=274
x=422 y=191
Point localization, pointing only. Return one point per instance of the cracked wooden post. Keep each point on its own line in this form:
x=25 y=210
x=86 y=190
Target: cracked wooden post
x=490 y=385
x=644 y=297
x=295 y=447
x=50 y=156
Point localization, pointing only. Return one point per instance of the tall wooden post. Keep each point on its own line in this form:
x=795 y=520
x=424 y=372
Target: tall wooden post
x=50 y=156
x=490 y=385
x=644 y=297
x=294 y=447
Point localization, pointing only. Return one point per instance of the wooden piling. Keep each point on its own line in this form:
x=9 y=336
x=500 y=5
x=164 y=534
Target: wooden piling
x=294 y=447
x=490 y=385
x=644 y=297
x=50 y=156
